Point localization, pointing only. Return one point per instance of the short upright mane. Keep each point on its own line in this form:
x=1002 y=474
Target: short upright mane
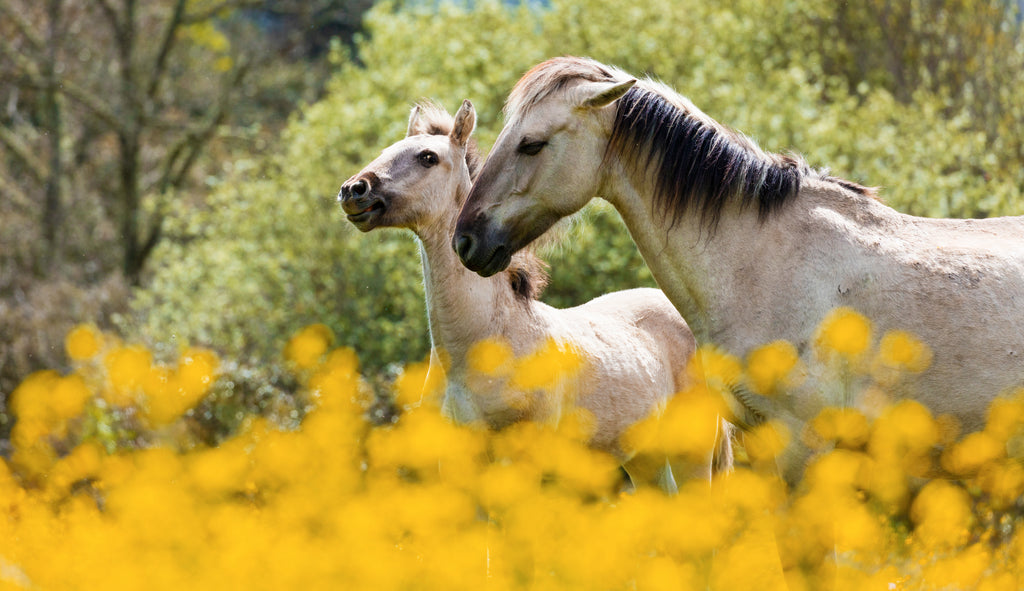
x=527 y=273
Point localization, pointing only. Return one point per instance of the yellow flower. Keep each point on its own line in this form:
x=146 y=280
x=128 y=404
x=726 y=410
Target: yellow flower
x=836 y=471
x=1003 y=481
x=127 y=368
x=1005 y=417
x=308 y=345
x=975 y=450
x=961 y=571
x=490 y=357
x=844 y=333
x=69 y=396
x=688 y=426
x=197 y=370
x=903 y=351
x=773 y=367
x=83 y=462
x=547 y=366
x=942 y=515
x=847 y=427
x=714 y=367
x=411 y=386
x=31 y=399
x=765 y=442
x=83 y=342
x=904 y=435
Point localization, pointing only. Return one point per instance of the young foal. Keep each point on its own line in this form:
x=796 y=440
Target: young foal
x=634 y=344
x=750 y=246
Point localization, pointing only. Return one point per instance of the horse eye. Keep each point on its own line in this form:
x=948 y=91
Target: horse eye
x=427 y=158
x=531 y=148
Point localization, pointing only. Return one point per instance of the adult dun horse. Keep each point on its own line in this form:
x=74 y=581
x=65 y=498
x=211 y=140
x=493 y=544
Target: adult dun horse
x=751 y=246
x=634 y=344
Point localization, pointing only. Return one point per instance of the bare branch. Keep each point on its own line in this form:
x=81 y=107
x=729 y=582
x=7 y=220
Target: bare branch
x=111 y=14
x=209 y=13
x=24 y=65
x=170 y=34
x=15 y=196
x=23 y=153
x=23 y=26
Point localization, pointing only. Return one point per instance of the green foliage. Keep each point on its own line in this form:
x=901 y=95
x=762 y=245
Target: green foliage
x=273 y=252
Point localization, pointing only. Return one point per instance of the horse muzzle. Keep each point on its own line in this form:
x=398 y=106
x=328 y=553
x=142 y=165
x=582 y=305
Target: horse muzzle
x=362 y=206
x=482 y=251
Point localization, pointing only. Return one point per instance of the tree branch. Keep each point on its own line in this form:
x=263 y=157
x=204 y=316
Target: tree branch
x=170 y=34
x=21 y=201
x=199 y=17
x=23 y=26
x=111 y=13
x=23 y=153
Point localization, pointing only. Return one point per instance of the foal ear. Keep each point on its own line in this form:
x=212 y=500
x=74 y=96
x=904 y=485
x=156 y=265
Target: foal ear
x=594 y=95
x=465 y=121
x=415 y=121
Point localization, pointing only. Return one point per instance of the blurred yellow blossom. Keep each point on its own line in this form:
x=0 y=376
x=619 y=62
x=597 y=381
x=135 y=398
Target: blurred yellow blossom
x=127 y=368
x=197 y=370
x=688 y=426
x=766 y=441
x=843 y=332
x=715 y=367
x=942 y=516
x=903 y=351
x=423 y=503
x=1005 y=417
x=411 y=386
x=1003 y=481
x=968 y=455
x=904 y=434
x=308 y=345
x=83 y=342
x=846 y=427
x=490 y=357
x=773 y=367
x=547 y=366
x=69 y=396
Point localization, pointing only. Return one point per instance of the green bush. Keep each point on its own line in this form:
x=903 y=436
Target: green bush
x=272 y=252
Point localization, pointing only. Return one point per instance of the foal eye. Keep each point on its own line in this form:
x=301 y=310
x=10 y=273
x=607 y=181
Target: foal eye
x=531 y=148
x=427 y=158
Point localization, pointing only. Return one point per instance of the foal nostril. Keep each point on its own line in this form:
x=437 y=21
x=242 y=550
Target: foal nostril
x=360 y=188
x=463 y=245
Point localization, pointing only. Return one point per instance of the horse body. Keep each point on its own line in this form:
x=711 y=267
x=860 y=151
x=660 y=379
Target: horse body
x=633 y=343
x=751 y=247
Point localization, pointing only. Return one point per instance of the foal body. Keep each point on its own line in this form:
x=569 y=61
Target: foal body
x=633 y=343
x=750 y=246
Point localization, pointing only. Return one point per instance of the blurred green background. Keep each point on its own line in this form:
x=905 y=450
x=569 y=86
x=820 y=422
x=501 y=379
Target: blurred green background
x=168 y=168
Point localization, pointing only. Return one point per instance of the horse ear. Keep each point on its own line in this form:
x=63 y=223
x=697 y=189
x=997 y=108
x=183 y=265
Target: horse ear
x=465 y=121
x=594 y=95
x=414 y=122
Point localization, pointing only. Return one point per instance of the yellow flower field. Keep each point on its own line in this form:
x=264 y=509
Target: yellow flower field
x=340 y=503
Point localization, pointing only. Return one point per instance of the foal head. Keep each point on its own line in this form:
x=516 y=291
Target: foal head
x=420 y=180
x=546 y=162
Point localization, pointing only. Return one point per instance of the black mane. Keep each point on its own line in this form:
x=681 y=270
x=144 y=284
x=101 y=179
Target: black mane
x=698 y=165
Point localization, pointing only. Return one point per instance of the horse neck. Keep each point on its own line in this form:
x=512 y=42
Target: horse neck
x=462 y=307
x=693 y=265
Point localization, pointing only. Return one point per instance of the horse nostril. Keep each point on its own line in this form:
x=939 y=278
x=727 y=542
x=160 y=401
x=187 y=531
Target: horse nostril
x=463 y=245
x=360 y=188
